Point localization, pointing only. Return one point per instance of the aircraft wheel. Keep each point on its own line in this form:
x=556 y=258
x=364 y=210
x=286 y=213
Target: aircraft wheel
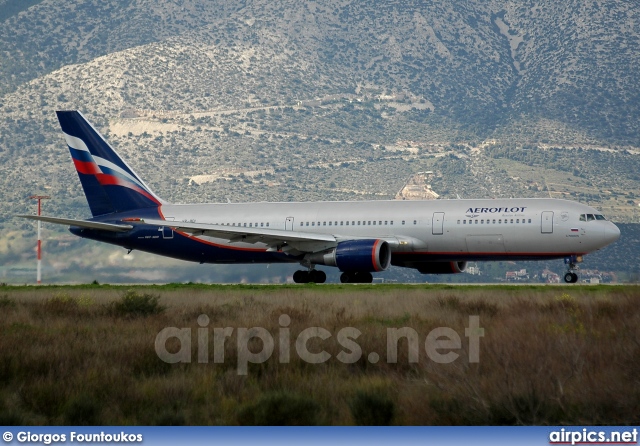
x=317 y=276
x=345 y=278
x=570 y=277
x=301 y=276
x=365 y=277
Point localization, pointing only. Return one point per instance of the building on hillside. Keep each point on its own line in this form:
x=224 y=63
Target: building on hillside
x=517 y=276
x=550 y=276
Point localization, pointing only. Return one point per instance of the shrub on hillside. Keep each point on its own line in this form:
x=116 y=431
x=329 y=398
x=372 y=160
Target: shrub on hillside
x=135 y=304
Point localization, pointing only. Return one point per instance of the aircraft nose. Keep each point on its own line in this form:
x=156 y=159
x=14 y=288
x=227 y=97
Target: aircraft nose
x=611 y=233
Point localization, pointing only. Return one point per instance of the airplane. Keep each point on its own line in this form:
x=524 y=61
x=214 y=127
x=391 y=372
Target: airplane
x=357 y=237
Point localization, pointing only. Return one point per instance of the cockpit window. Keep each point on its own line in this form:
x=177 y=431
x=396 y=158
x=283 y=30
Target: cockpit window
x=591 y=217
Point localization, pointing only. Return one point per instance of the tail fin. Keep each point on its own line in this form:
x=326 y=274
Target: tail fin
x=109 y=184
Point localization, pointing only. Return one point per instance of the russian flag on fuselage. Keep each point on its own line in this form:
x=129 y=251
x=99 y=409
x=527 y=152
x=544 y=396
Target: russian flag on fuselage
x=110 y=185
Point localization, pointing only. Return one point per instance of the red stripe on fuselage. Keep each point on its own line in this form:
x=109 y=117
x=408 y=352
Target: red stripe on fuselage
x=458 y=253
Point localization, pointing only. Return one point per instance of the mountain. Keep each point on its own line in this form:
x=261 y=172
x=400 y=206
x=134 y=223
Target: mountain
x=303 y=100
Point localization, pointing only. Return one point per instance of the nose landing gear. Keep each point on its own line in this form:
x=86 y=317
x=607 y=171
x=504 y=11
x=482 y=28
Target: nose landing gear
x=571 y=276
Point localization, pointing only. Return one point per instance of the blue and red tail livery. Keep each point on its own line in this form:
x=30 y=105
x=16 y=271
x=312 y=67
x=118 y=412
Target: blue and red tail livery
x=109 y=184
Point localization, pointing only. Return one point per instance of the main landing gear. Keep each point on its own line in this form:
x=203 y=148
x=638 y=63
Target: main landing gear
x=311 y=276
x=356 y=277
x=571 y=276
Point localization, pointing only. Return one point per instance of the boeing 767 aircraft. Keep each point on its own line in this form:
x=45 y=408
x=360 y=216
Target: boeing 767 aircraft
x=358 y=237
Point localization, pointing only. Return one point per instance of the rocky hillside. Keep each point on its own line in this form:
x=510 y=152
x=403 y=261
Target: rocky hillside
x=302 y=100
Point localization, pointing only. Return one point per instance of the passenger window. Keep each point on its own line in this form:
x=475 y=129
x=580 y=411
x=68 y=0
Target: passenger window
x=385 y=223
x=477 y=222
x=379 y=223
x=529 y=220
x=494 y=221
x=512 y=220
x=307 y=223
x=369 y=223
x=402 y=221
x=301 y=223
x=374 y=222
x=518 y=220
x=329 y=223
x=267 y=224
x=464 y=222
x=458 y=221
x=341 y=223
x=391 y=222
x=481 y=222
x=336 y=223
x=313 y=223
x=415 y=222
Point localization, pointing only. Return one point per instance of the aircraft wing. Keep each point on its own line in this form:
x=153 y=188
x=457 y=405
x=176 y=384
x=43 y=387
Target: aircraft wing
x=276 y=238
x=80 y=223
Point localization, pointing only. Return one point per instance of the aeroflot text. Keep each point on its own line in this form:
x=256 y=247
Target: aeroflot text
x=494 y=210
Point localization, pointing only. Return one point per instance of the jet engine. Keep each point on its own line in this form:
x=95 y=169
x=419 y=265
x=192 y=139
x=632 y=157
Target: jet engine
x=355 y=255
x=442 y=267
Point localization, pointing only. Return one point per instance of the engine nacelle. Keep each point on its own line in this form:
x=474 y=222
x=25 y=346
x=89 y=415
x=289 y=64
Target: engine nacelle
x=355 y=255
x=442 y=267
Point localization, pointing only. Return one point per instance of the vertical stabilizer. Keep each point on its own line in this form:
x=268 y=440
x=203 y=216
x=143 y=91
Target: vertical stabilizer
x=109 y=184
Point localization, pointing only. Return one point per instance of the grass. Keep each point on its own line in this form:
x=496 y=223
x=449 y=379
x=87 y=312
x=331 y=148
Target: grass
x=80 y=355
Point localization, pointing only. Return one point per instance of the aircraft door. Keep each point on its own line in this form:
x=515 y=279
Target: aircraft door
x=167 y=232
x=288 y=224
x=547 y=222
x=437 y=223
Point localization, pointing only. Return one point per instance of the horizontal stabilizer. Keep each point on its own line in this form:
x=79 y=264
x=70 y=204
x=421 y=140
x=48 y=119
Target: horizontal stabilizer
x=80 y=223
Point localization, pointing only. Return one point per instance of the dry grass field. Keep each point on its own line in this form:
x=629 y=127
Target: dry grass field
x=549 y=355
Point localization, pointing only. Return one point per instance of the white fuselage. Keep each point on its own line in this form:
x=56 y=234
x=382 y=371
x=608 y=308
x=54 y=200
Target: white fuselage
x=439 y=229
